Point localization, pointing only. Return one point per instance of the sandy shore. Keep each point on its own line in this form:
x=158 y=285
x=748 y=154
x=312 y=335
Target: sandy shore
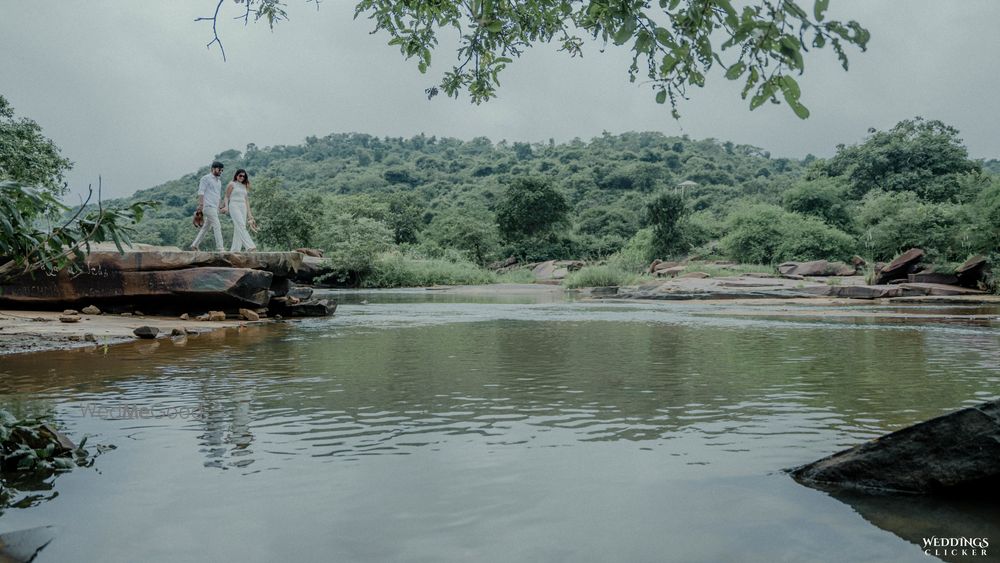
x=36 y=331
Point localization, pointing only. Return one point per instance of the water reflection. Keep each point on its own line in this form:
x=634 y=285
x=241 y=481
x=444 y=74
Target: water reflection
x=918 y=519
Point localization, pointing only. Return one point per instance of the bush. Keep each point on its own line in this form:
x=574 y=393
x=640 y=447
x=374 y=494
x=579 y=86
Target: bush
x=352 y=244
x=637 y=253
x=767 y=234
x=894 y=222
x=666 y=214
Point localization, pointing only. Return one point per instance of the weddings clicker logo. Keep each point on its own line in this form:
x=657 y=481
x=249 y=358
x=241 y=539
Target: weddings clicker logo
x=956 y=547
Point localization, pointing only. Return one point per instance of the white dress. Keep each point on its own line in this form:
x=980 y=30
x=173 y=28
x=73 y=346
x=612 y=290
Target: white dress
x=238 y=211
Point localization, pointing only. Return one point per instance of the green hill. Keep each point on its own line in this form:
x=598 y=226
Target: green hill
x=643 y=194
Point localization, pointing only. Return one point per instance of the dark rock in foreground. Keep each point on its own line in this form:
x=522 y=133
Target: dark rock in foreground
x=954 y=453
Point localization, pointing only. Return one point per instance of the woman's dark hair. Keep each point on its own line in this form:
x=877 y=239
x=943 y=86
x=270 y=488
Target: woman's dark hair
x=246 y=176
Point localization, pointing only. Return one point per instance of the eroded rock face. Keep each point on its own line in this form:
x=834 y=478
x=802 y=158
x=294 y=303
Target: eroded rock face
x=957 y=452
x=156 y=290
x=902 y=266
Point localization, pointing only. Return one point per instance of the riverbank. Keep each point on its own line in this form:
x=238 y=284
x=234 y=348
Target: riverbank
x=24 y=332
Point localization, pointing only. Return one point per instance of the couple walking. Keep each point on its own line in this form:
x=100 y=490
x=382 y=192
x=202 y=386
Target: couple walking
x=236 y=202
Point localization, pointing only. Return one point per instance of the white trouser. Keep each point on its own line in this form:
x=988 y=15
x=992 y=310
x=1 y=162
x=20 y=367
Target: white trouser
x=211 y=222
x=241 y=237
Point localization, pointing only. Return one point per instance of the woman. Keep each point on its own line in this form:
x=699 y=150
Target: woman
x=237 y=203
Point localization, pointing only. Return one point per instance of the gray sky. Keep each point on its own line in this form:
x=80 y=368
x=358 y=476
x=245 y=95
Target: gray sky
x=128 y=90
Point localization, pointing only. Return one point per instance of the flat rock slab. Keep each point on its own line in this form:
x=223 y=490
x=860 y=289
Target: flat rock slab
x=179 y=290
x=281 y=264
x=866 y=291
x=910 y=289
x=957 y=452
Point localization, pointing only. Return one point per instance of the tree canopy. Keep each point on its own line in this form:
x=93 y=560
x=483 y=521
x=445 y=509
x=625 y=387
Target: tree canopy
x=675 y=44
x=27 y=156
x=37 y=231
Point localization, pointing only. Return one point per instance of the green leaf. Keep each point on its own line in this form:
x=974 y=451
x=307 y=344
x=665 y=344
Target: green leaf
x=661 y=96
x=736 y=70
x=819 y=7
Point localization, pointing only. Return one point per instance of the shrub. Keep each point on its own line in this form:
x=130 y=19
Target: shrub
x=637 y=253
x=894 y=222
x=352 y=244
x=766 y=234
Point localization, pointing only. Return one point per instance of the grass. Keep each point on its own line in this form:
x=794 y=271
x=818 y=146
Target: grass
x=601 y=276
x=397 y=270
x=721 y=271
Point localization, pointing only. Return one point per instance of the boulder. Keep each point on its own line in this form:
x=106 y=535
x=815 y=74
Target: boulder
x=696 y=275
x=216 y=316
x=64 y=318
x=147 y=332
x=902 y=266
x=299 y=292
x=972 y=271
x=284 y=307
x=249 y=315
x=957 y=452
x=858 y=261
x=555 y=269
x=160 y=291
x=816 y=268
x=660 y=265
x=311 y=269
x=91 y=310
x=671 y=272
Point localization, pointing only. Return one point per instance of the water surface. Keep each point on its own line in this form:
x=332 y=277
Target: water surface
x=417 y=426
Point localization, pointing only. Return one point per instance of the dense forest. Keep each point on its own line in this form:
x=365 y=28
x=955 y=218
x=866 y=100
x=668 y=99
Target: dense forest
x=626 y=198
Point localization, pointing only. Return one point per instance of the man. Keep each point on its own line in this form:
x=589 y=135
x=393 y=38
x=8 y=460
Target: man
x=209 y=194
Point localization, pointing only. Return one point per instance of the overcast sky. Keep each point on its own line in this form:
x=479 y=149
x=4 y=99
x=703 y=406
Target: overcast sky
x=129 y=92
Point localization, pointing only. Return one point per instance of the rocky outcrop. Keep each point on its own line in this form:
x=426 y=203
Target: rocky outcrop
x=972 y=271
x=902 y=266
x=816 y=268
x=957 y=452
x=153 y=291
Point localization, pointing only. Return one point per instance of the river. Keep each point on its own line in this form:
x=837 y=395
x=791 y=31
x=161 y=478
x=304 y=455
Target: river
x=414 y=426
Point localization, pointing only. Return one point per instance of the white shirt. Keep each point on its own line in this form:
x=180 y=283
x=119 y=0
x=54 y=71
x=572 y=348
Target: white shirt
x=210 y=187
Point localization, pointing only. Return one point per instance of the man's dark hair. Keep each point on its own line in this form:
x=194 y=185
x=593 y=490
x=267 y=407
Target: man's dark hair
x=217 y=164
